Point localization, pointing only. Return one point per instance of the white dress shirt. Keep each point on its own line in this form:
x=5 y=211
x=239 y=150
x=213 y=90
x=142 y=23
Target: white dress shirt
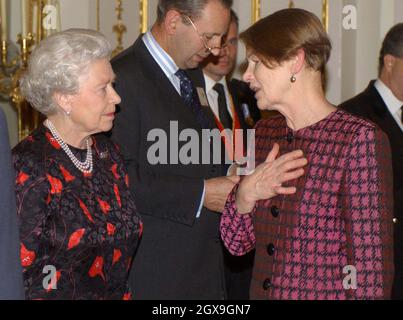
x=393 y=104
x=212 y=95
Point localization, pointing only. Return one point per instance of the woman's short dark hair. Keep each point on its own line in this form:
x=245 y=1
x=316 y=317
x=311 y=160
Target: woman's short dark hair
x=191 y=8
x=392 y=44
x=278 y=37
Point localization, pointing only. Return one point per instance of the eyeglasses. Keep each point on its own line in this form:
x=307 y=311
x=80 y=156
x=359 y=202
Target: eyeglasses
x=203 y=40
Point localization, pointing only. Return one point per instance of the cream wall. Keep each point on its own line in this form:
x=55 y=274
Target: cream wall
x=355 y=52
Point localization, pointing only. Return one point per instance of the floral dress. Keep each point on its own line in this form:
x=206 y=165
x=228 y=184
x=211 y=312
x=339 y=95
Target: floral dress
x=79 y=232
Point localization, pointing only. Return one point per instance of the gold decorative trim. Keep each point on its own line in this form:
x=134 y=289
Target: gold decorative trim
x=119 y=28
x=325 y=14
x=256 y=10
x=291 y=4
x=143 y=16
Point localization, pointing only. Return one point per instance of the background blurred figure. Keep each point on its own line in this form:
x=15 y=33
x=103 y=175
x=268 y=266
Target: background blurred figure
x=339 y=213
x=218 y=70
x=10 y=267
x=233 y=106
x=382 y=103
x=76 y=215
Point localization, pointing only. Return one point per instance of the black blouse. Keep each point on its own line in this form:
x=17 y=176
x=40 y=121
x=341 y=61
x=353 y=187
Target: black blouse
x=83 y=226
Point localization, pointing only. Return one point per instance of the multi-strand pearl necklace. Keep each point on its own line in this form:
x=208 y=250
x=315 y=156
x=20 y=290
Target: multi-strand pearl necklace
x=86 y=166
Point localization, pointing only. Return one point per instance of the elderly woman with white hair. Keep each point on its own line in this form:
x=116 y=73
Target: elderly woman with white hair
x=78 y=224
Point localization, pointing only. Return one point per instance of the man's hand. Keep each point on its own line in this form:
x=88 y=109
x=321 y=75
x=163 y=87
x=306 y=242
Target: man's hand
x=267 y=179
x=217 y=191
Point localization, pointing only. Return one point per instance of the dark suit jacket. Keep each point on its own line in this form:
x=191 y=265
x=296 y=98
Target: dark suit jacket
x=10 y=266
x=238 y=270
x=179 y=257
x=370 y=105
x=242 y=94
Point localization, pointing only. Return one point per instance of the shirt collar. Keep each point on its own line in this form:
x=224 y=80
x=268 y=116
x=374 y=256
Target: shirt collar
x=210 y=83
x=388 y=97
x=163 y=59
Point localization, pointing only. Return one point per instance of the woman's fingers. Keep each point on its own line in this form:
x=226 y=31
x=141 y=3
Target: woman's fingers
x=291 y=175
x=273 y=153
x=285 y=190
x=291 y=156
x=293 y=164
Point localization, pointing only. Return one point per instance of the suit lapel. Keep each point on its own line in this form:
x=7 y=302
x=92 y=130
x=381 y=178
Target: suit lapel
x=174 y=104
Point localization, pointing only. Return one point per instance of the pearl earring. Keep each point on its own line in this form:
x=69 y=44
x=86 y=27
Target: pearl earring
x=293 y=79
x=68 y=112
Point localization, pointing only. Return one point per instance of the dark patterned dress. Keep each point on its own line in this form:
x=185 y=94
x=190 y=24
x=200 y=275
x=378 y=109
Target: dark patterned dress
x=337 y=227
x=81 y=228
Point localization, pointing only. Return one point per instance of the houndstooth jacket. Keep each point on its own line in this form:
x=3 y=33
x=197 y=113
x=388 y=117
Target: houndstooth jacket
x=333 y=238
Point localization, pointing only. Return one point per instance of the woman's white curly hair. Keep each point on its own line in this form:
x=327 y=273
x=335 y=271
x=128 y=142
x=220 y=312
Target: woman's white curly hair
x=58 y=63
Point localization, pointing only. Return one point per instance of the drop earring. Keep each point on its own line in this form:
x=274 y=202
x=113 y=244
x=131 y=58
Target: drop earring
x=293 y=79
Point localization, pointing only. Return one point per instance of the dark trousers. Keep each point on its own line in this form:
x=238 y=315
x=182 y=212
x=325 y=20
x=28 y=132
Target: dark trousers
x=238 y=274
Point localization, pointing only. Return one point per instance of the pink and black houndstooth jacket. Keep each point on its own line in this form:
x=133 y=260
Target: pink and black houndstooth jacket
x=340 y=216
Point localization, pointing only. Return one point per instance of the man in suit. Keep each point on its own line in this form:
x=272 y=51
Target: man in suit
x=382 y=103
x=179 y=195
x=10 y=267
x=233 y=106
x=218 y=70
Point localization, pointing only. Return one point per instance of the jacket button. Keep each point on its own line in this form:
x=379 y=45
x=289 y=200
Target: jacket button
x=275 y=211
x=271 y=249
x=290 y=137
x=266 y=284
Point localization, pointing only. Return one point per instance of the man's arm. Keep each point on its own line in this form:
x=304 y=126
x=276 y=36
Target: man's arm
x=163 y=195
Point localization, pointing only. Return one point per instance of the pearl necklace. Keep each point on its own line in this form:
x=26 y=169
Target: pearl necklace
x=86 y=166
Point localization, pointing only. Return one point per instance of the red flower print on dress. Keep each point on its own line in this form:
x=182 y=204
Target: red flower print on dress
x=141 y=229
x=127 y=296
x=111 y=229
x=56 y=185
x=117 y=254
x=87 y=174
x=27 y=257
x=53 y=141
x=105 y=207
x=127 y=180
x=96 y=268
x=67 y=176
x=75 y=238
x=85 y=209
x=22 y=177
x=49 y=198
x=115 y=171
x=117 y=194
